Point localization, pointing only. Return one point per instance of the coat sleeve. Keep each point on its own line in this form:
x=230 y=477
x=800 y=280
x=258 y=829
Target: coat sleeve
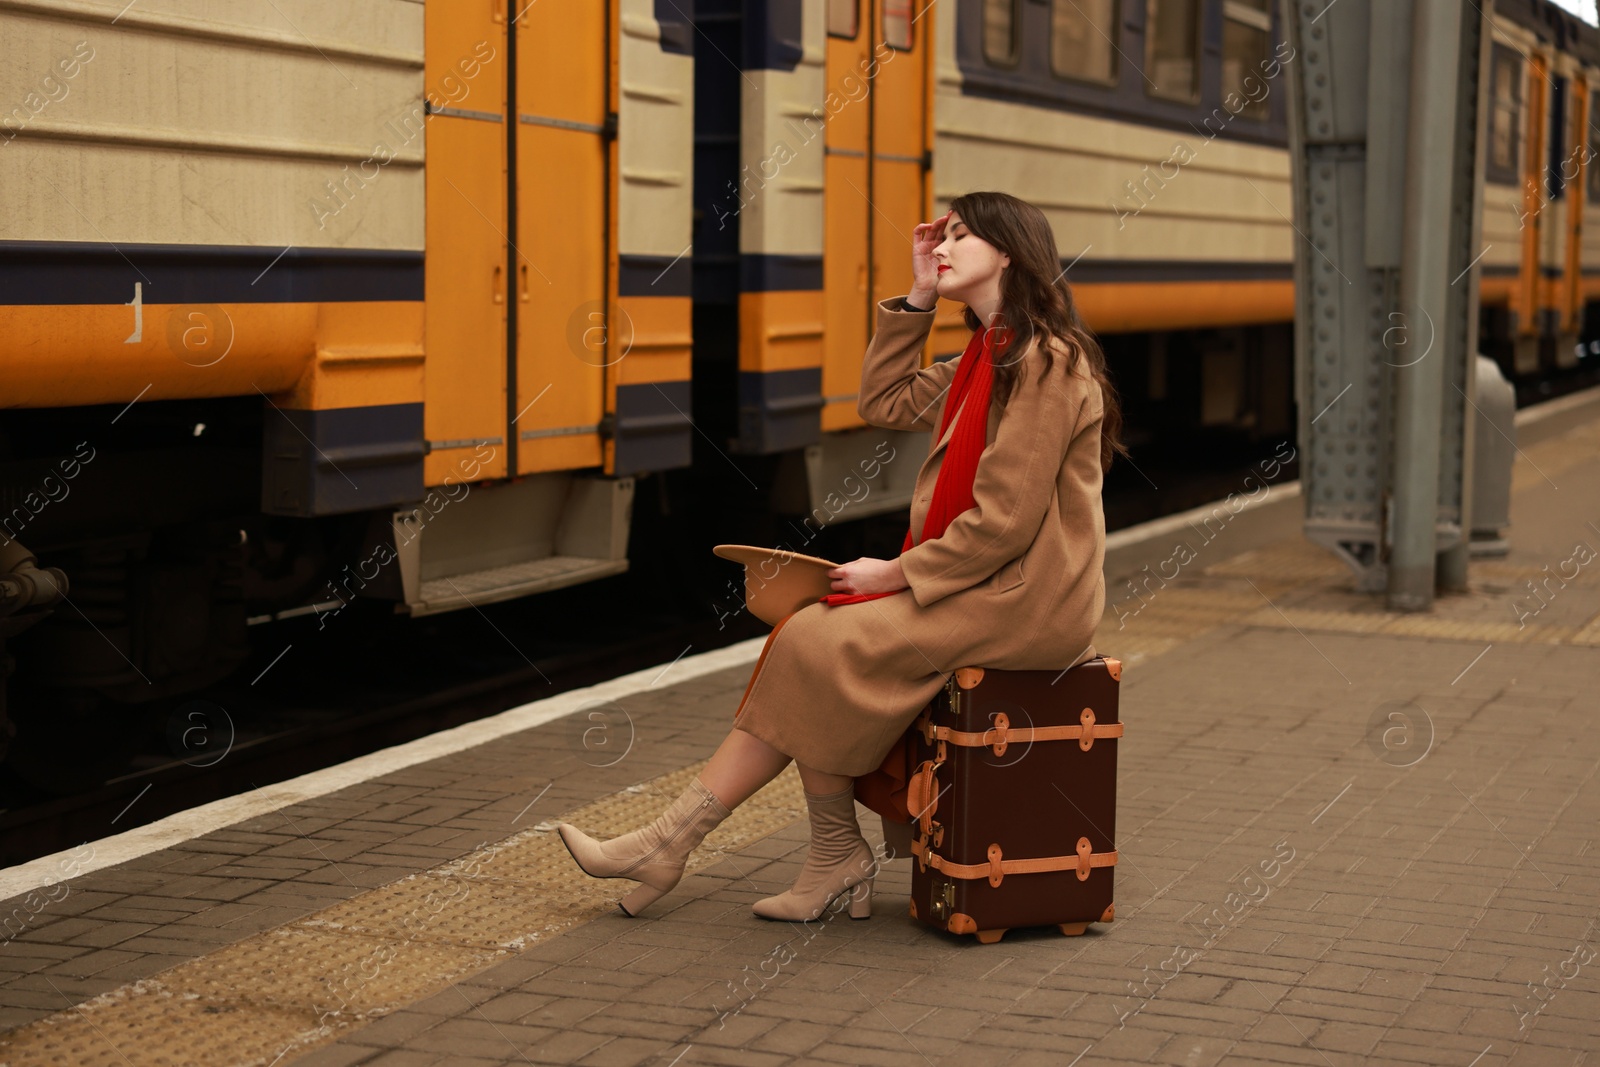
x=896 y=392
x=1014 y=486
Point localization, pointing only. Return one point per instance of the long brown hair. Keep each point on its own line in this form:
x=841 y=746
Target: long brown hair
x=1036 y=300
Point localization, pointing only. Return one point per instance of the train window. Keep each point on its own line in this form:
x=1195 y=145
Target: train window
x=897 y=23
x=1246 y=26
x=1000 y=32
x=1082 y=33
x=1172 y=49
x=1591 y=164
x=1505 y=114
x=844 y=18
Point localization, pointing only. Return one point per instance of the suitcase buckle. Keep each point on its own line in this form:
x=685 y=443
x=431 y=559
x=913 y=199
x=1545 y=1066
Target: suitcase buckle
x=997 y=871
x=996 y=735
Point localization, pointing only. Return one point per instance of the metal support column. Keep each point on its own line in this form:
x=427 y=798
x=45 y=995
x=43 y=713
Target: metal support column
x=1387 y=191
x=1424 y=287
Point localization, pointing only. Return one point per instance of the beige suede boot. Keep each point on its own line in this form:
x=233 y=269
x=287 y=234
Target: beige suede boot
x=654 y=855
x=840 y=861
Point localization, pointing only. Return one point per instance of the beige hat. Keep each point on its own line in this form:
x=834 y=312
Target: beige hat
x=777 y=582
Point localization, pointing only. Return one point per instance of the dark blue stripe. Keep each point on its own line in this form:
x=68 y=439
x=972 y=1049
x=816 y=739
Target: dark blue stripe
x=652 y=427
x=653 y=275
x=676 y=18
x=765 y=274
x=779 y=410
x=1174 y=270
x=61 y=272
x=772 y=35
x=334 y=461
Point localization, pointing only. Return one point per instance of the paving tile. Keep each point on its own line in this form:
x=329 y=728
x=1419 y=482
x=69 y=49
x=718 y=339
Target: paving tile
x=334 y=1056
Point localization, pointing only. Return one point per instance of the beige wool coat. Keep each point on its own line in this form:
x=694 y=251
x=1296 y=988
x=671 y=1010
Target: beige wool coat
x=1014 y=583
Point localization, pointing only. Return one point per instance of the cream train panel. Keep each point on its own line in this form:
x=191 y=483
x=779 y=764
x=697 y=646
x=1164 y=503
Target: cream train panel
x=947 y=73
x=197 y=199
x=1503 y=212
x=1205 y=208
x=372 y=28
x=194 y=88
x=656 y=138
x=780 y=178
x=175 y=137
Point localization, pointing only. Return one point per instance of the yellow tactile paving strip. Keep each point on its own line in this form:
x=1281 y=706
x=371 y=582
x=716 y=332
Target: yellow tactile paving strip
x=1298 y=585
x=279 y=994
x=1326 y=602
x=1401 y=625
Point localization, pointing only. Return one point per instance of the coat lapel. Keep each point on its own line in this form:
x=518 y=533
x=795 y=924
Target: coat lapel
x=949 y=432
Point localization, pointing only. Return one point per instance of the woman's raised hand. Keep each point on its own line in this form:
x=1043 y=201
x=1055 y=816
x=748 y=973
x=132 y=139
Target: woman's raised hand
x=924 y=268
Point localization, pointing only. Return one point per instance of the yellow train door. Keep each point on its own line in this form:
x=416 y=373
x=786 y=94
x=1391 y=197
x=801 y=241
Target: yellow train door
x=564 y=243
x=465 y=268
x=900 y=166
x=847 y=211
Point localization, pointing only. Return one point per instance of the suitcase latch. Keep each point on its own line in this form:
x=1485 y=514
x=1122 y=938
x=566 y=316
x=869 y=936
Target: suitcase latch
x=942 y=900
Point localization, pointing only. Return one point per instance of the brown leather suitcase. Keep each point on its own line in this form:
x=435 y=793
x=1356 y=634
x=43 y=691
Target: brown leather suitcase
x=1014 y=800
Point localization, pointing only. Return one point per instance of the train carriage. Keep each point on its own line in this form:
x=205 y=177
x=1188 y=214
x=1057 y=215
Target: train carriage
x=1540 y=289
x=375 y=299
x=399 y=301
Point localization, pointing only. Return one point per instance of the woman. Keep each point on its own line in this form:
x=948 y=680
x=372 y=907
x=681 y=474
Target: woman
x=1002 y=564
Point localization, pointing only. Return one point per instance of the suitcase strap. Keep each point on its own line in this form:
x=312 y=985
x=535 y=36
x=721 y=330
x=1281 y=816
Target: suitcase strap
x=1001 y=733
x=998 y=867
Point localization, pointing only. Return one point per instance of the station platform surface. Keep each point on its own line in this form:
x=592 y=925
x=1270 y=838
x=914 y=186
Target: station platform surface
x=1345 y=835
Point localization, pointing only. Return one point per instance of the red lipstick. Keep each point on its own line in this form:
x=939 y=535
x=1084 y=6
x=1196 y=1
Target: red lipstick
x=943 y=267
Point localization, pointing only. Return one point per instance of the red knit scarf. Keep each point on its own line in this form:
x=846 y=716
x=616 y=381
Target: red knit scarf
x=952 y=490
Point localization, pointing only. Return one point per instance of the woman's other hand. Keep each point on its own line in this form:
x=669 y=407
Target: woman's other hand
x=924 y=268
x=869 y=576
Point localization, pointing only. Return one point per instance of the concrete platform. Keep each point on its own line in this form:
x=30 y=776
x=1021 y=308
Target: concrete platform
x=1346 y=836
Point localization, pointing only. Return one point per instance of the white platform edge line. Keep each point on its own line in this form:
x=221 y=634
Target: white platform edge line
x=186 y=825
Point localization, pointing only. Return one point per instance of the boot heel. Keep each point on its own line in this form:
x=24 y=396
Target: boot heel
x=642 y=897
x=861 y=901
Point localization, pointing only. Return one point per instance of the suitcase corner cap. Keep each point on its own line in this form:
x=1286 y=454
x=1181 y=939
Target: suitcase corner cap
x=969 y=677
